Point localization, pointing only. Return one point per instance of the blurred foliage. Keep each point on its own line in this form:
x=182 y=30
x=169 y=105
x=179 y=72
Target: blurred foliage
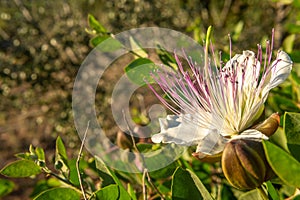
x=42 y=45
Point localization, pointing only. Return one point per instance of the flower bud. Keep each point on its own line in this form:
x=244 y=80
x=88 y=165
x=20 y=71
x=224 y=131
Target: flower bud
x=270 y=125
x=207 y=158
x=244 y=163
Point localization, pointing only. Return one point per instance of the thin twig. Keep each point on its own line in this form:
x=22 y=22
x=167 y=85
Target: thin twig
x=145 y=170
x=78 y=161
x=152 y=185
x=141 y=157
x=130 y=132
x=144 y=184
x=66 y=181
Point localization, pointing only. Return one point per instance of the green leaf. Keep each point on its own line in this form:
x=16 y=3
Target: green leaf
x=21 y=168
x=58 y=193
x=186 y=185
x=131 y=191
x=106 y=178
x=95 y=24
x=295 y=80
x=98 y=39
x=294 y=149
x=41 y=156
x=292 y=127
x=166 y=57
x=124 y=194
x=26 y=156
x=73 y=174
x=110 y=192
x=283 y=164
x=102 y=167
x=6 y=187
x=106 y=43
x=164 y=172
x=272 y=191
x=60 y=148
x=40 y=153
x=35 y=154
x=279 y=138
x=137 y=48
x=205 y=194
x=253 y=194
x=140 y=70
x=61 y=159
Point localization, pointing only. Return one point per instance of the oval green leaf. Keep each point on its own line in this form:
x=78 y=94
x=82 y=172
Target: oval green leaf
x=109 y=192
x=204 y=192
x=101 y=166
x=183 y=186
x=186 y=185
x=283 y=164
x=292 y=127
x=140 y=70
x=60 y=148
x=21 y=168
x=59 y=193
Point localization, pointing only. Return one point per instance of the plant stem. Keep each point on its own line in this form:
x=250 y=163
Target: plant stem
x=78 y=161
x=153 y=186
x=144 y=185
x=262 y=193
x=63 y=180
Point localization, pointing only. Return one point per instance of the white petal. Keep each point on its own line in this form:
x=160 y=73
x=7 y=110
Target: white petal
x=251 y=70
x=281 y=69
x=179 y=130
x=250 y=134
x=213 y=143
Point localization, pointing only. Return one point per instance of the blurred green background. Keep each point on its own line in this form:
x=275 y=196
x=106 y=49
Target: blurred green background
x=43 y=43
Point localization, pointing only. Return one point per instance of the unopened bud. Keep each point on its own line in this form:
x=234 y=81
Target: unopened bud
x=244 y=163
x=269 y=126
x=207 y=158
